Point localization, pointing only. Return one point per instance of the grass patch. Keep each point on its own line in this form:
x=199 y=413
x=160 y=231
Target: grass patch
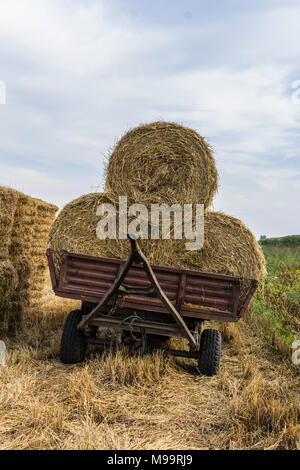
x=282 y=241
x=275 y=313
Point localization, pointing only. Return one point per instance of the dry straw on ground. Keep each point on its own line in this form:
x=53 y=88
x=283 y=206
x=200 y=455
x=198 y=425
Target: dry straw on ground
x=162 y=162
x=155 y=402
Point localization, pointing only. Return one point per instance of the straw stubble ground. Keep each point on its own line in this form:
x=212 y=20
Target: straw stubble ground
x=126 y=402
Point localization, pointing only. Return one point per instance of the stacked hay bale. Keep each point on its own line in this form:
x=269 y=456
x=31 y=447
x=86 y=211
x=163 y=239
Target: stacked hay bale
x=164 y=163
x=21 y=239
x=154 y=163
x=8 y=274
x=74 y=230
x=45 y=214
x=24 y=229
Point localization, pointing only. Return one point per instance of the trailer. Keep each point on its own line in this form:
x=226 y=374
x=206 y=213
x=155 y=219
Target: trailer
x=133 y=300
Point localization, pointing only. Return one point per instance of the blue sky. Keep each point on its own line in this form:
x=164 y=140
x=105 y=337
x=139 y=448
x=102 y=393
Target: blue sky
x=78 y=74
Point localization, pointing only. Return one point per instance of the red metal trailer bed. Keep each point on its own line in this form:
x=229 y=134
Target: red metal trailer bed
x=132 y=296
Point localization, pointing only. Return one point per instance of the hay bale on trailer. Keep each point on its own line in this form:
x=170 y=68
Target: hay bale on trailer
x=74 y=229
x=229 y=246
x=162 y=162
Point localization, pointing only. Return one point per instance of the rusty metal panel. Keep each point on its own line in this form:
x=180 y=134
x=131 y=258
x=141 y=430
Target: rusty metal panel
x=195 y=294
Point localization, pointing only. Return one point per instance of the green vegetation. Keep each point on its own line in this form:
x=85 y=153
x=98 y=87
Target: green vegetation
x=275 y=312
x=290 y=240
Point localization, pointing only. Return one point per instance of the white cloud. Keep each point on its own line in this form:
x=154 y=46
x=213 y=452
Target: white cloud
x=56 y=189
x=79 y=74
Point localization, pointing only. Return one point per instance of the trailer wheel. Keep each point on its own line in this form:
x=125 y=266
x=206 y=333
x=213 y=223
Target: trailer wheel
x=73 y=343
x=210 y=352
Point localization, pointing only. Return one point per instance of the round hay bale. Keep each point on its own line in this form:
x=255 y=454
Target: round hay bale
x=229 y=248
x=162 y=162
x=74 y=229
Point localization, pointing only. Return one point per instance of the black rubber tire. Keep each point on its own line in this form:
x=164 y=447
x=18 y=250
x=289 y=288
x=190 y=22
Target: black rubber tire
x=73 y=343
x=210 y=352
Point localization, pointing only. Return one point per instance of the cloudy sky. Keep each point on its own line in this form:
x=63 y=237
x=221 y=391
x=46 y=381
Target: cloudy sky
x=79 y=73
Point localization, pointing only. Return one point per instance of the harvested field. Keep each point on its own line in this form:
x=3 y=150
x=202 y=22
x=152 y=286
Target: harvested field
x=125 y=402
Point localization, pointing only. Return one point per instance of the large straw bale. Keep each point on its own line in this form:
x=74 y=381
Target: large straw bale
x=23 y=227
x=74 y=229
x=8 y=286
x=44 y=219
x=21 y=239
x=8 y=274
x=23 y=242
x=162 y=162
x=229 y=248
x=19 y=300
x=8 y=202
x=29 y=241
